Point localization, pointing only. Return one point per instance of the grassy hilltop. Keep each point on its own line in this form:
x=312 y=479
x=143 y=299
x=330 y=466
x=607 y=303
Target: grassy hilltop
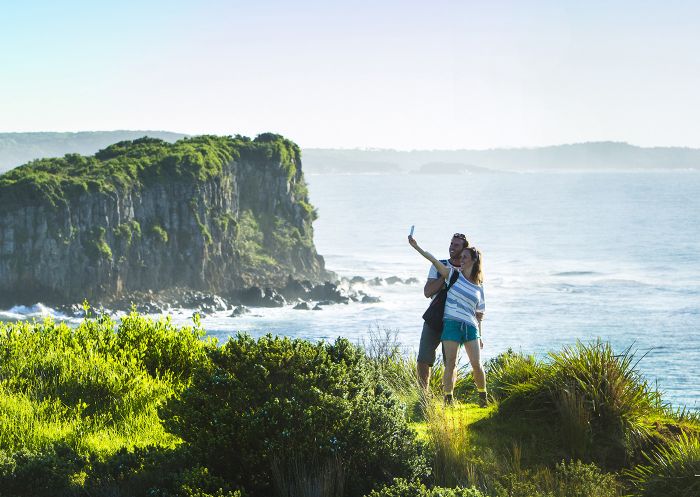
x=137 y=164
x=144 y=408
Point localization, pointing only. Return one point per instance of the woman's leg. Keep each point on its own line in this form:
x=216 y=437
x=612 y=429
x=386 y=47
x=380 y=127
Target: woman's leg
x=449 y=355
x=474 y=354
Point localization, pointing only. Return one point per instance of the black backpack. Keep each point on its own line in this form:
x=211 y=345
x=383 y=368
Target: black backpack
x=436 y=310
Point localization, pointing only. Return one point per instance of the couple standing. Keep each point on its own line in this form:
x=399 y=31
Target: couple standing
x=464 y=310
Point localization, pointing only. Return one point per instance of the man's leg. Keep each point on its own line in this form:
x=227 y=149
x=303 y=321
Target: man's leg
x=429 y=341
x=423 y=371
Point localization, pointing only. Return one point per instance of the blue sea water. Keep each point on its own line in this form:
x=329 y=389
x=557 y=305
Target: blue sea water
x=568 y=256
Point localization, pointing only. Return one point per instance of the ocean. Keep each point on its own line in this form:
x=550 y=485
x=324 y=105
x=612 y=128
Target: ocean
x=567 y=256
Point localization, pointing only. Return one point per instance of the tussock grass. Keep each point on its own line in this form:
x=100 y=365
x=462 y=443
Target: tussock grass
x=598 y=398
x=448 y=435
x=672 y=470
x=391 y=362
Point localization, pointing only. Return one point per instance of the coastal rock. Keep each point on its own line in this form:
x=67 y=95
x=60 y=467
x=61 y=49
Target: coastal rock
x=393 y=280
x=258 y=297
x=328 y=291
x=71 y=310
x=295 y=289
x=368 y=299
x=302 y=306
x=204 y=301
x=239 y=311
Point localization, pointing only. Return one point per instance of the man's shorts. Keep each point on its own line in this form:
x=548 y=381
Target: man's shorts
x=457 y=331
x=429 y=341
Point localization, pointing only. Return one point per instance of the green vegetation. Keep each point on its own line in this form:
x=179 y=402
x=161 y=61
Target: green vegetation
x=136 y=164
x=128 y=231
x=96 y=246
x=145 y=408
x=249 y=241
x=301 y=195
x=670 y=470
x=160 y=233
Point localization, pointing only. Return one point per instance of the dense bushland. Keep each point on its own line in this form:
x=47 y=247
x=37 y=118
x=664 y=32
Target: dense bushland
x=145 y=408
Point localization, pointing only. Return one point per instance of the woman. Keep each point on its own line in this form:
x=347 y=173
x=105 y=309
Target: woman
x=464 y=310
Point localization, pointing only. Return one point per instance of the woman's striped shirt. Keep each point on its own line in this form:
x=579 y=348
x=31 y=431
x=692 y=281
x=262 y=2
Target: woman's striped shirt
x=464 y=300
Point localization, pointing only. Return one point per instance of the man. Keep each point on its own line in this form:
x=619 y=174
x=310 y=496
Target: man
x=429 y=338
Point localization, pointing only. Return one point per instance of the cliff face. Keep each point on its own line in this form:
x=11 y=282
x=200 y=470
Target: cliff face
x=208 y=213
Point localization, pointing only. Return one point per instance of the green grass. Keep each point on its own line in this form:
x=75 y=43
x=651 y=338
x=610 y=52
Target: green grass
x=586 y=403
x=97 y=387
x=672 y=470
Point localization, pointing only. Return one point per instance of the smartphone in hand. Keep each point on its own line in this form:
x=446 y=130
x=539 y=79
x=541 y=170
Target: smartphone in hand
x=411 y=233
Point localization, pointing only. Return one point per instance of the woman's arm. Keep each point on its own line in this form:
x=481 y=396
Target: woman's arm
x=441 y=268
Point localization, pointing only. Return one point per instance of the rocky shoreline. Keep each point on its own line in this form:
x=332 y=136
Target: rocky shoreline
x=302 y=294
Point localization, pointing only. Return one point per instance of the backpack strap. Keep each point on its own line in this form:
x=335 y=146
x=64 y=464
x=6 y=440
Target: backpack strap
x=454 y=276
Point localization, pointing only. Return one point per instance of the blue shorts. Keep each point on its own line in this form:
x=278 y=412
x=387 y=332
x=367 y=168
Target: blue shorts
x=457 y=331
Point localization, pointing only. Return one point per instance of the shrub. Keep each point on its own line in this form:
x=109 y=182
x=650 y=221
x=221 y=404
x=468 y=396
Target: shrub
x=573 y=479
x=308 y=478
x=403 y=488
x=165 y=349
x=289 y=400
x=42 y=473
x=671 y=471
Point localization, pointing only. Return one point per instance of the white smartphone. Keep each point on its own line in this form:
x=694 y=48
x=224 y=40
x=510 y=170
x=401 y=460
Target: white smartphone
x=411 y=233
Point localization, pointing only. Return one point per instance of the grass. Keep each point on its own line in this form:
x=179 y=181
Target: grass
x=586 y=403
x=93 y=387
x=672 y=470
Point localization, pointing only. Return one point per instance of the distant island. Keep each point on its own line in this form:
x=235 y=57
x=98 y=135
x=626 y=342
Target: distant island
x=579 y=156
x=452 y=168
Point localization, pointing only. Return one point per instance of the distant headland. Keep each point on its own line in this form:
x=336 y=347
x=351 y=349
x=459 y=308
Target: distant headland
x=19 y=148
x=211 y=214
x=597 y=156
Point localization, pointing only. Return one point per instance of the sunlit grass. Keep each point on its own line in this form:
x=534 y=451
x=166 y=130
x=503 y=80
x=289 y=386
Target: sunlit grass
x=672 y=470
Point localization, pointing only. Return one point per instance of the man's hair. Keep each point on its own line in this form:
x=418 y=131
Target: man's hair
x=462 y=237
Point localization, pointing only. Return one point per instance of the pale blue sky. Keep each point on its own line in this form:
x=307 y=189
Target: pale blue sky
x=394 y=74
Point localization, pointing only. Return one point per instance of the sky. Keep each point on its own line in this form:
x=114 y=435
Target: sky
x=365 y=74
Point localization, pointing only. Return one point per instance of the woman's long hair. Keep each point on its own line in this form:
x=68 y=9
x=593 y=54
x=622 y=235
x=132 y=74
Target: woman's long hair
x=477 y=274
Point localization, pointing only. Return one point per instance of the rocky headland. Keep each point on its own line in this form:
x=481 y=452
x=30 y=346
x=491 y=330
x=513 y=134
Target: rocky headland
x=206 y=222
